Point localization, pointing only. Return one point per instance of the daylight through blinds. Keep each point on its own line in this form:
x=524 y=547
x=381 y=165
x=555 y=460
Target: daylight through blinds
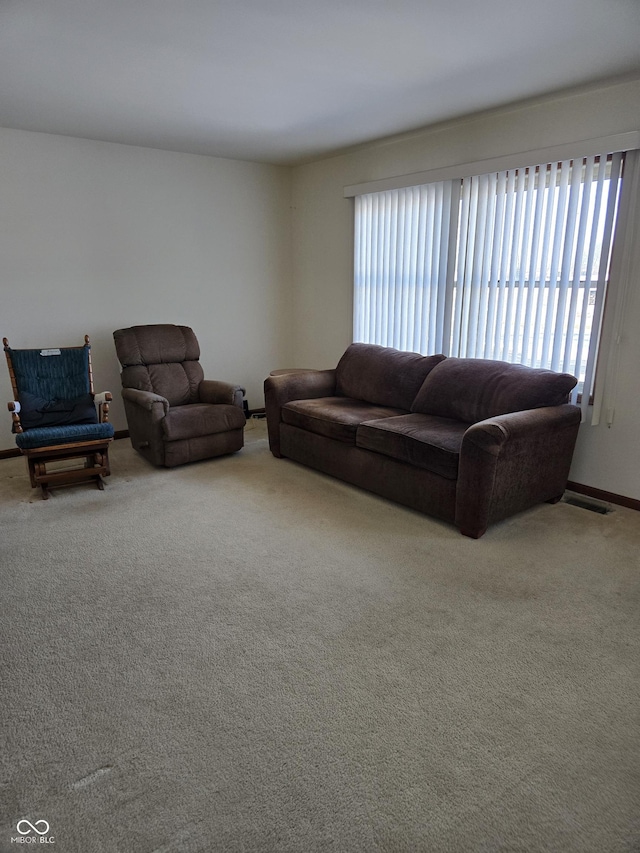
x=509 y=265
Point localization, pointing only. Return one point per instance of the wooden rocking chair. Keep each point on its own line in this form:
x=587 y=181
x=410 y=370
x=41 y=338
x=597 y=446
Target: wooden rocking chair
x=55 y=421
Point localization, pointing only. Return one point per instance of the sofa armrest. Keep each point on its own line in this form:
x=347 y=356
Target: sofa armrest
x=214 y=391
x=280 y=390
x=145 y=399
x=512 y=462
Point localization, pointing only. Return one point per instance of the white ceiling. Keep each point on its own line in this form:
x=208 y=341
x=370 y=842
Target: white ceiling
x=283 y=81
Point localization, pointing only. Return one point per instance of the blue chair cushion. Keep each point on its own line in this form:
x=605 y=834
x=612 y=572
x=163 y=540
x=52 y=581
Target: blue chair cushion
x=48 y=436
x=38 y=412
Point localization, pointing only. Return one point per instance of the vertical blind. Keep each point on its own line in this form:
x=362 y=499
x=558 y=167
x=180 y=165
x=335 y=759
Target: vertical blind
x=403 y=267
x=511 y=265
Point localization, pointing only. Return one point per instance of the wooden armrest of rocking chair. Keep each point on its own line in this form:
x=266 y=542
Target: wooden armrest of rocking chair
x=102 y=401
x=14 y=408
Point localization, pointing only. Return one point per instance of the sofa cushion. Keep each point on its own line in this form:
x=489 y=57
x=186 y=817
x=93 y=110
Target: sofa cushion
x=382 y=375
x=473 y=389
x=334 y=417
x=424 y=441
x=198 y=419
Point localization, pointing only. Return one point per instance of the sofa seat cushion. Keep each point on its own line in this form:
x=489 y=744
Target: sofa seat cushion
x=334 y=417
x=424 y=441
x=198 y=419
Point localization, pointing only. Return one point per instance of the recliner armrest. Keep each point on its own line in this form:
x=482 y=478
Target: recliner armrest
x=145 y=399
x=214 y=391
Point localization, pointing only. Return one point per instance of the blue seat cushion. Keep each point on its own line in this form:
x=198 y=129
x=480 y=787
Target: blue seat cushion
x=48 y=436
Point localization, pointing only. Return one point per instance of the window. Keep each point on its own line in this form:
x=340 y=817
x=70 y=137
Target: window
x=511 y=265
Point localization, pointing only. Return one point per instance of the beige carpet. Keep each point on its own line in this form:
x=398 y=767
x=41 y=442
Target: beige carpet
x=245 y=655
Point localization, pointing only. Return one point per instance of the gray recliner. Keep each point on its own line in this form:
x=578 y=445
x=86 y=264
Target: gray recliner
x=174 y=414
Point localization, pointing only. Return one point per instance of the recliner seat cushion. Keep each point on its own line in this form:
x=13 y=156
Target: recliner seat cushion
x=473 y=389
x=200 y=419
x=334 y=417
x=382 y=375
x=424 y=441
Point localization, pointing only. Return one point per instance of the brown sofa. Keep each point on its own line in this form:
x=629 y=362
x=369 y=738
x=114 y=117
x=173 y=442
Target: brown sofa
x=469 y=441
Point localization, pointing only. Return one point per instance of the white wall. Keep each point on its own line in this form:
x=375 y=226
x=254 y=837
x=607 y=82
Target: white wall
x=97 y=236
x=606 y=458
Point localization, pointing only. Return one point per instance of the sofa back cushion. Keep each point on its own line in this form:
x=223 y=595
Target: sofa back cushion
x=162 y=358
x=472 y=389
x=382 y=375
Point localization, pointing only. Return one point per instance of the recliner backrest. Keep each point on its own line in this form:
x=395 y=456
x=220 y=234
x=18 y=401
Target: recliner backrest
x=161 y=358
